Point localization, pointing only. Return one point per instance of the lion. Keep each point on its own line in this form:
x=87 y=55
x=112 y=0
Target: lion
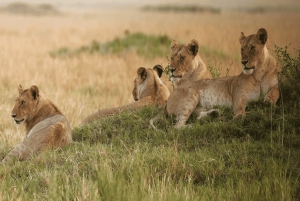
x=259 y=79
x=148 y=90
x=46 y=127
x=184 y=59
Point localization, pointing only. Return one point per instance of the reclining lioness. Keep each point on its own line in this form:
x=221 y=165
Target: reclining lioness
x=46 y=126
x=148 y=90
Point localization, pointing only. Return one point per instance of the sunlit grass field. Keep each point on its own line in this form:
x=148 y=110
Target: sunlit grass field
x=81 y=84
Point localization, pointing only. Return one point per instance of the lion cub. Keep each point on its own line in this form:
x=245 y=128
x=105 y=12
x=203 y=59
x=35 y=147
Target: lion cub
x=259 y=78
x=46 y=126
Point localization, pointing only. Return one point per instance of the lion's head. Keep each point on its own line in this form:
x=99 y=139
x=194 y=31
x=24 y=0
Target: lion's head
x=185 y=61
x=144 y=83
x=26 y=104
x=182 y=59
x=253 y=50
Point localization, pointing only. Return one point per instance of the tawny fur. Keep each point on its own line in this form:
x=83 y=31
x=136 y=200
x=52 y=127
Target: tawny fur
x=259 y=79
x=148 y=90
x=46 y=127
x=184 y=59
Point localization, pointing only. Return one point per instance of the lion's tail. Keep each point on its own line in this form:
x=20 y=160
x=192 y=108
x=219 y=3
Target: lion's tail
x=152 y=120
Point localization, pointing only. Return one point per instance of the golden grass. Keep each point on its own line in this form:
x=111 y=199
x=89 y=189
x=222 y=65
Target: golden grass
x=80 y=85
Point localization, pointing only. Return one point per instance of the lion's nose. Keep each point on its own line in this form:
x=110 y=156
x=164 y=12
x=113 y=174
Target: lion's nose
x=244 y=62
x=172 y=69
x=13 y=115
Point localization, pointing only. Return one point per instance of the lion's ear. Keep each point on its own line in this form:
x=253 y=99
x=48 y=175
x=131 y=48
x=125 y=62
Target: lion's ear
x=242 y=37
x=20 y=89
x=142 y=73
x=174 y=44
x=262 y=35
x=34 y=91
x=159 y=69
x=193 y=47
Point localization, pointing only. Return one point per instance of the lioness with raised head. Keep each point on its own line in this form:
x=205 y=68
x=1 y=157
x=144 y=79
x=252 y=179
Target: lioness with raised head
x=46 y=127
x=185 y=60
x=258 y=79
x=148 y=90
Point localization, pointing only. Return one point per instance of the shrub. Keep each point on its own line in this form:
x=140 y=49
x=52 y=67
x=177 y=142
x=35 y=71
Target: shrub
x=148 y=46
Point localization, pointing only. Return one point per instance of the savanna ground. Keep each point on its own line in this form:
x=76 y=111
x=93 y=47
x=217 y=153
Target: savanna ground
x=121 y=157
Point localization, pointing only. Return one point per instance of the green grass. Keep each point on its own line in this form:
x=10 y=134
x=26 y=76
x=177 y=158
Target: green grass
x=121 y=157
x=147 y=46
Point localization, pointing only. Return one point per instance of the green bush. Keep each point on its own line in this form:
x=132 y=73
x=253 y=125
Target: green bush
x=148 y=46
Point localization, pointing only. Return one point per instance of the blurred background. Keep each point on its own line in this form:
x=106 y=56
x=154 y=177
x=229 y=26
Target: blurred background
x=224 y=4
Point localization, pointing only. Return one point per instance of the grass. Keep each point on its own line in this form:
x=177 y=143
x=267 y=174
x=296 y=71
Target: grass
x=148 y=46
x=220 y=156
x=121 y=157
x=217 y=158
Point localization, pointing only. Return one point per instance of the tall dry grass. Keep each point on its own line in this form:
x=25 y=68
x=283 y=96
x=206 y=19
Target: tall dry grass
x=80 y=85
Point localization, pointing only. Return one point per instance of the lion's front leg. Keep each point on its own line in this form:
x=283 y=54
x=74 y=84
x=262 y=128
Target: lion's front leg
x=19 y=152
x=239 y=107
x=272 y=96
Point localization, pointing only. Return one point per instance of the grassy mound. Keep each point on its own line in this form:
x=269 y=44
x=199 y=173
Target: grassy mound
x=121 y=157
x=253 y=158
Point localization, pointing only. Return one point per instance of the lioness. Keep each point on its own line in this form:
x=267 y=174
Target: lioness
x=258 y=79
x=185 y=58
x=46 y=126
x=148 y=90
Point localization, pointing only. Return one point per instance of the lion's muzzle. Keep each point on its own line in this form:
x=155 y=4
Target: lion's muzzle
x=244 y=62
x=17 y=121
x=172 y=76
x=248 y=68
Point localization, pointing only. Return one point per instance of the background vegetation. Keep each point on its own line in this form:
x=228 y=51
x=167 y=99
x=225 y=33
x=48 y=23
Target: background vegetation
x=182 y=8
x=121 y=157
x=21 y=8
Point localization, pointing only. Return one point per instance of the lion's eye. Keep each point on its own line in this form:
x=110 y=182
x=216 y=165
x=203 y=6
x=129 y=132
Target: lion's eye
x=22 y=102
x=181 y=58
x=252 y=48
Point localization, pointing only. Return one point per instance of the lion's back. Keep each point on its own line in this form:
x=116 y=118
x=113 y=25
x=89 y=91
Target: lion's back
x=54 y=131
